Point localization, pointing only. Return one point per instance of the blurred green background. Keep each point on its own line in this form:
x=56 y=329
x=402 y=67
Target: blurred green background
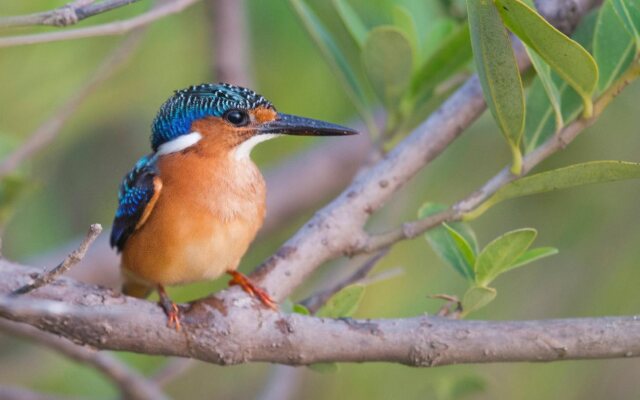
x=75 y=181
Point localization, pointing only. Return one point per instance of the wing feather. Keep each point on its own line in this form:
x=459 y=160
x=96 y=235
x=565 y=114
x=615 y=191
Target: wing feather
x=138 y=194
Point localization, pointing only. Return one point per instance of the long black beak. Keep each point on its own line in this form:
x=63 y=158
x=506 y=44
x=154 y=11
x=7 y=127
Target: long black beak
x=294 y=125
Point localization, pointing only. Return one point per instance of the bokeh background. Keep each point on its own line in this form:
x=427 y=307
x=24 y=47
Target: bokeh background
x=74 y=183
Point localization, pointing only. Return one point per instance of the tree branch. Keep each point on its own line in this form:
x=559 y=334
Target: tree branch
x=337 y=229
x=132 y=385
x=69 y=14
x=474 y=201
x=72 y=259
x=230 y=329
x=108 y=29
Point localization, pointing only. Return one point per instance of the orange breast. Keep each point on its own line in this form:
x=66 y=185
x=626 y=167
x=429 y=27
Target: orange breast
x=207 y=214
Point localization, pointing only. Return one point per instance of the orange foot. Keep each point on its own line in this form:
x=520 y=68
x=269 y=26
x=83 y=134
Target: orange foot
x=170 y=308
x=240 y=279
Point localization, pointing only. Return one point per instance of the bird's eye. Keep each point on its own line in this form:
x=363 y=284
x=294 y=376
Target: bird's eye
x=237 y=117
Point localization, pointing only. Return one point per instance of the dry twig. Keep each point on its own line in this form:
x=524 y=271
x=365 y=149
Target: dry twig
x=74 y=258
x=108 y=29
x=69 y=14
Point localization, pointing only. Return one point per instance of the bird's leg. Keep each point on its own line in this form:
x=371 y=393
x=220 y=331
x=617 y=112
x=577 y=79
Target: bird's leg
x=240 y=279
x=170 y=308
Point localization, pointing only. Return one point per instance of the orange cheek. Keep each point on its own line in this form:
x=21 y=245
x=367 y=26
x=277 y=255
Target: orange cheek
x=263 y=115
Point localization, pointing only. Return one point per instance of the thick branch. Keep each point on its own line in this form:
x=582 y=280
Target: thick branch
x=108 y=29
x=132 y=385
x=232 y=329
x=337 y=229
x=69 y=14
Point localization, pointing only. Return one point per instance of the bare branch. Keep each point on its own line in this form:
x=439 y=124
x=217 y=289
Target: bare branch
x=49 y=129
x=556 y=143
x=132 y=385
x=74 y=258
x=108 y=29
x=99 y=318
x=337 y=229
x=69 y=14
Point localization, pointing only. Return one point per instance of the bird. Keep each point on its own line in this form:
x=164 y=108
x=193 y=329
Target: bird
x=189 y=210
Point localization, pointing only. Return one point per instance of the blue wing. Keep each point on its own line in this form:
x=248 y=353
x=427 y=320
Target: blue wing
x=137 y=190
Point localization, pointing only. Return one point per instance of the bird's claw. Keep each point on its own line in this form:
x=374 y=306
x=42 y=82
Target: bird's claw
x=253 y=290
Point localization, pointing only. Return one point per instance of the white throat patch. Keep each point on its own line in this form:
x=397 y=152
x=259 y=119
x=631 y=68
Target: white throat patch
x=180 y=143
x=243 y=150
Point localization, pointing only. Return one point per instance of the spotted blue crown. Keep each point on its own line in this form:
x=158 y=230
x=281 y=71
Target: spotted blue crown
x=196 y=102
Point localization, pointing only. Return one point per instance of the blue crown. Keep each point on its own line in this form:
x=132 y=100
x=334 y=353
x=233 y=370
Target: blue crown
x=186 y=106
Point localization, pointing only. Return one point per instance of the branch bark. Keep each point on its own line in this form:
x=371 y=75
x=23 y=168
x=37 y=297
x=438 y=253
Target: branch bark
x=69 y=14
x=132 y=385
x=108 y=29
x=231 y=328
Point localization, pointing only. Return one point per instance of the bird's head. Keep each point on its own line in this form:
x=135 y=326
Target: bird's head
x=224 y=117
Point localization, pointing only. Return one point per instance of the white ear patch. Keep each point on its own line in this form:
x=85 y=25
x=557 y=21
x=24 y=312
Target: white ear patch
x=180 y=143
x=243 y=150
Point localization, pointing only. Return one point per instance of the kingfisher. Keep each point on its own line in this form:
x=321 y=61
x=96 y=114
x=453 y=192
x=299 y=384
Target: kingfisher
x=189 y=210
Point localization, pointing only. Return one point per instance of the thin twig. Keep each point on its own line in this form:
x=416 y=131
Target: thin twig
x=108 y=29
x=314 y=302
x=69 y=14
x=474 y=202
x=132 y=385
x=75 y=257
x=49 y=129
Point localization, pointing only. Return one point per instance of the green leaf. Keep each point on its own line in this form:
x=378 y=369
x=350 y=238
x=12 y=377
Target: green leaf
x=324 y=368
x=629 y=13
x=539 y=124
x=498 y=72
x=332 y=53
x=444 y=244
x=613 y=46
x=464 y=247
x=351 y=21
x=532 y=255
x=501 y=254
x=562 y=178
x=452 y=54
x=388 y=60
x=546 y=79
x=477 y=297
x=344 y=303
x=404 y=21
x=570 y=60
x=300 y=309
